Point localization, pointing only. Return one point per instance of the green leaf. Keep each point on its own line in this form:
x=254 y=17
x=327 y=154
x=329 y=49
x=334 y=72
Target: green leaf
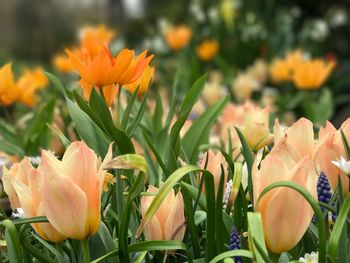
x=157 y=245
x=256 y=237
x=315 y=206
x=30 y=220
x=128 y=161
x=232 y=253
x=88 y=130
x=193 y=94
x=199 y=131
x=56 y=83
x=64 y=140
x=126 y=114
x=12 y=240
x=249 y=159
x=336 y=234
x=101 y=243
x=346 y=144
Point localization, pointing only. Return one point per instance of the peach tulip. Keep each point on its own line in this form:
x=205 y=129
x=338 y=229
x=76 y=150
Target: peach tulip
x=72 y=189
x=215 y=160
x=168 y=223
x=285 y=213
x=22 y=184
x=330 y=148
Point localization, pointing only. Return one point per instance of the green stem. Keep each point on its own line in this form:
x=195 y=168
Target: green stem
x=85 y=249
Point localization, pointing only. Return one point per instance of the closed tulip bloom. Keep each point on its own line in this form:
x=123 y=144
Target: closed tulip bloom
x=312 y=74
x=103 y=69
x=72 y=189
x=256 y=126
x=143 y=82
x=207 y=50
x=178 y=37
x=330 y=148
x=22 y=183
x=215 y=161
x=168 y=223
x=285 y=213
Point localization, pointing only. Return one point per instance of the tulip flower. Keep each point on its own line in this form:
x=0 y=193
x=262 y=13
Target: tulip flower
x=143 y=82
x=243 y=86
x=73 y=185
x=168 y=223
x=207 y=50
x=94 y=37
x=215 y=160
x=22 y=184
x=8 y=91
x=285 y=213
x=178 y=37
x=103 y=69
x=256 y=126
x=62 y=63
x=312 y=74
x=330 y=148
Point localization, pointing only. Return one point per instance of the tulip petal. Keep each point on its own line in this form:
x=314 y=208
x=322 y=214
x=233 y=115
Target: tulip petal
x=153 y=230
x=175 y=223
x=65 y=205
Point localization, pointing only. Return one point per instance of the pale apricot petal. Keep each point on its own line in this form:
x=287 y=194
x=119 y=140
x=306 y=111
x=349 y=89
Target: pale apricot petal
x=286 y=152
x=24 y=197
x=46 y=230
x=301 y=136
x=147 y=200
x=8 y=186
x=285 y=227
x=65 y=205
x=175 y=223
x=153 y=230
x=325 y=130
x=327 y=151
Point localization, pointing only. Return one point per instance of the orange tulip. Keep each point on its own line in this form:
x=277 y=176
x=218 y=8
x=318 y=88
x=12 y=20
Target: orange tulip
x=103 y=69
x=109 y=92
x=8 y=91
x=178 y=37
x=143 y=82
x=282 y=69
x=330 y=148
x=285 y=213
x=62 y=63
x=255 y=127
x=29 y=83
x=22 y=183
x=168 y=223
x=94 y=37
x=207 y=50
x=215 y=160
x=312 y=74
x=73 y=185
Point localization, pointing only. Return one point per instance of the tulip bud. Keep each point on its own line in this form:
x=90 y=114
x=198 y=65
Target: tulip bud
x=168 y=223
x=22 y=184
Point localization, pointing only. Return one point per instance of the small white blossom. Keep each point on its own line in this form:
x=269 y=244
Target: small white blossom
x=343 y=165
x=310 y=258
x=17 y=213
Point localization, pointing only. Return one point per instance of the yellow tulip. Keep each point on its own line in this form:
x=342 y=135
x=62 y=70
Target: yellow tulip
x=8 y=90
x=330 y=148
x=73 y=185
x=168 y=223
x=312 y=74
x=22 y=183
x=285 y=213
x=178 y=37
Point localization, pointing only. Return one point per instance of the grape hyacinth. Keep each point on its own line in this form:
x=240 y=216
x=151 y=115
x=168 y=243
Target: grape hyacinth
x=324 y=194
x=235 y=243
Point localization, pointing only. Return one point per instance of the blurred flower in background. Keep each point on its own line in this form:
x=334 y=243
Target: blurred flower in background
x=178 y=37
x=207 y=50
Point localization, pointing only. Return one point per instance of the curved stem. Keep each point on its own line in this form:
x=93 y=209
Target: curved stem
x=85 y=249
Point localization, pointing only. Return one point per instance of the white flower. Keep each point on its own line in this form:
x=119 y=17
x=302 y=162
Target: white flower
x=343 y=165
x=310 y=258
x=227 y=193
